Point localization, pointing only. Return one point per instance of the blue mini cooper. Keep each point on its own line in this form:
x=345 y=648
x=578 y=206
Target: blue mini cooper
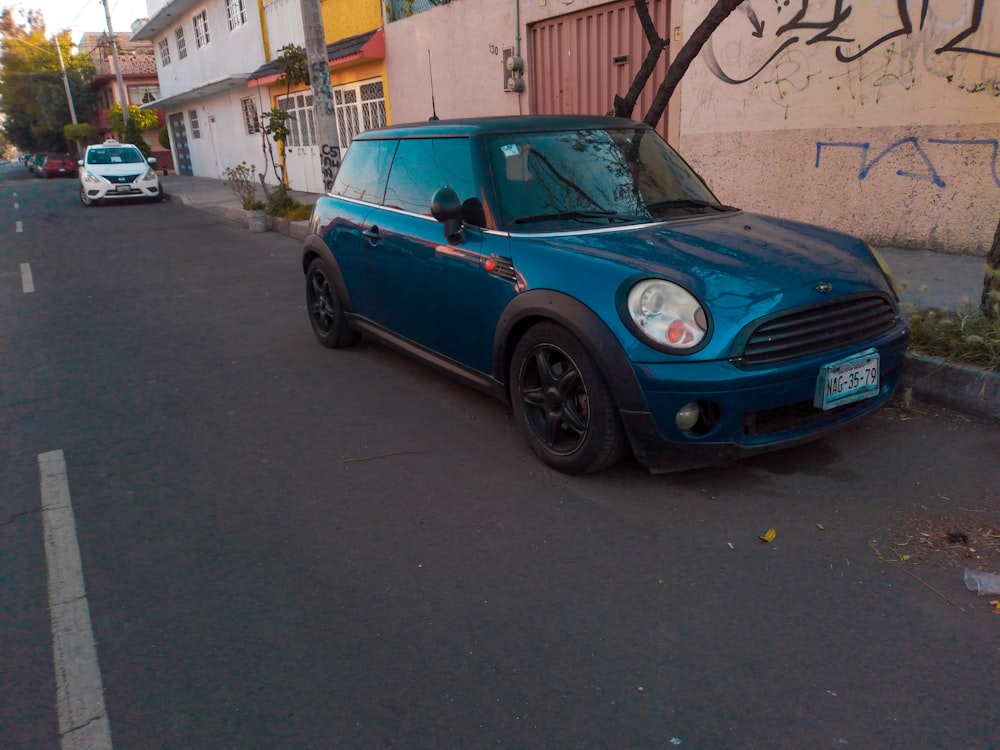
x=577 y=268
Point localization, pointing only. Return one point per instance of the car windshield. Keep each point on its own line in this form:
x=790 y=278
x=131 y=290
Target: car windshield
x=114 y=156
x=574 y=179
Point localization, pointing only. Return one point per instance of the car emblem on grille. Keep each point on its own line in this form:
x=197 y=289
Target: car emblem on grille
x=824 y=287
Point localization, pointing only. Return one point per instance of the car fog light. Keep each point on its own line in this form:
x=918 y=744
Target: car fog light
x=687 y=416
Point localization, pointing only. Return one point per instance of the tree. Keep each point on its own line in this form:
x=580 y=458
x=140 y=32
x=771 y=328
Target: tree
x=80 y=134
x=989 y=303
x=294 y=65
x=34 y=98
x=624 y=105
x=144 y=119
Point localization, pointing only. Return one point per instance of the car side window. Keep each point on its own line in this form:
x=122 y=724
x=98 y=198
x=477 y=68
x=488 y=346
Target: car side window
x=363 y=174
x=423 y=166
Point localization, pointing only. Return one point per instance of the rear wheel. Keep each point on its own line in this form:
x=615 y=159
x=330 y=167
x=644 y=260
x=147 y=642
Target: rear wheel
x=563 y=404
x=326 y=309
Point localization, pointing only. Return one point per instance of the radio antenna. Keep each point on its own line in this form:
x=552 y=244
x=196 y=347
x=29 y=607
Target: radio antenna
x=430 y=70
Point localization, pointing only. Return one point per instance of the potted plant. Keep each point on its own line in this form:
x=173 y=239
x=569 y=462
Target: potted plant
x=241 y=179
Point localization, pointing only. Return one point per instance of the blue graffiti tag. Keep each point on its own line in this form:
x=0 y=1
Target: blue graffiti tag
x=930 y=176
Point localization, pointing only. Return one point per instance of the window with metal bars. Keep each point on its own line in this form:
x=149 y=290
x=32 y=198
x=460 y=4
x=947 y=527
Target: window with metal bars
x=358 y=107
x=236 y=12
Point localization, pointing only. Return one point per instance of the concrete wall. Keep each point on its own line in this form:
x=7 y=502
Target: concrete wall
x=461 y=42
x=856 y=115
x=224 y=141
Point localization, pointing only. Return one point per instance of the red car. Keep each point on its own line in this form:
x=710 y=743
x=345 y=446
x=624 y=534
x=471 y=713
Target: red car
x=56 y=165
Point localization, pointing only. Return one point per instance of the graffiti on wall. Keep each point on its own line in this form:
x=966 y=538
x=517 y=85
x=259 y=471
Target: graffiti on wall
x=911 y=148
x=768 y=39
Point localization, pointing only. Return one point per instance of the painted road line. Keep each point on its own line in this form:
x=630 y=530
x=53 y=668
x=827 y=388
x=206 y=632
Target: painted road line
x=27 y=282
x=83 y=719
x=19 y=227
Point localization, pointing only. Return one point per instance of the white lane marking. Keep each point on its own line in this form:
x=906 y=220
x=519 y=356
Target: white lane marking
x=83 y=719
x=19 y=227
x=27 y=282
x=16 y=204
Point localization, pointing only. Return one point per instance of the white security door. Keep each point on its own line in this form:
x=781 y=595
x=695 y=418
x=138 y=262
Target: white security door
x=301 y=152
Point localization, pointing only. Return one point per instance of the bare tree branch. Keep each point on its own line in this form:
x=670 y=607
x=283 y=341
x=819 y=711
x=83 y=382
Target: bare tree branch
x=719 y=13
x=624 y=107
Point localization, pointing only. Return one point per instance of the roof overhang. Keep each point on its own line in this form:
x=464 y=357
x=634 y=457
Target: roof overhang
x=212 y=88
x=165 y=18
x=360 y=48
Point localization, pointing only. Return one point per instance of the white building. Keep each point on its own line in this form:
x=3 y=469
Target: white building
x=205 y=52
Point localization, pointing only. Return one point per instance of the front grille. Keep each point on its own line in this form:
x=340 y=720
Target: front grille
x=123 y=179
x=815 y=329
x=795 y=417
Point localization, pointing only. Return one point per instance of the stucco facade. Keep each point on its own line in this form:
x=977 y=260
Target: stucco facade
x=878 y=117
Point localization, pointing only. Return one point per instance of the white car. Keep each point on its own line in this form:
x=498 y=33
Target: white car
x=113 y=171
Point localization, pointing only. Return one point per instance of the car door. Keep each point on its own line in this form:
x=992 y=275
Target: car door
x=360 y=186
x=422 y=286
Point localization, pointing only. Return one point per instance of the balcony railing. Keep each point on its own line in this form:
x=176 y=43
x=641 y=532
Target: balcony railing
x=129 y=65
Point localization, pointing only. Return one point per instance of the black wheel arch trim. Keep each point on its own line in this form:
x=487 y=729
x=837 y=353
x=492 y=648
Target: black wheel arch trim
x=315 y=248
x=538 y=305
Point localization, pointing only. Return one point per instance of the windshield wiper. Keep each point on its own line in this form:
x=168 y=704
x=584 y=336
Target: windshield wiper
x=582 y=215
x=687 y=203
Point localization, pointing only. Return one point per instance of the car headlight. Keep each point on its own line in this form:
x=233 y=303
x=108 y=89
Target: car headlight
x=92 y=178
x=150 y=175
x=667 y=315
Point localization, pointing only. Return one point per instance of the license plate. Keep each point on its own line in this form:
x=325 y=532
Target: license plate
x=122 y=189
x=848 y=380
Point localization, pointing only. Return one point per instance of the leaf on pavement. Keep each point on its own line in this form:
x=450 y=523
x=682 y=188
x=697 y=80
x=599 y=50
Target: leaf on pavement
x=768 y=536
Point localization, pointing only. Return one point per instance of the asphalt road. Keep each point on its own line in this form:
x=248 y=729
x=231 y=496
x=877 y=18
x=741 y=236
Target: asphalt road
x=290 y=547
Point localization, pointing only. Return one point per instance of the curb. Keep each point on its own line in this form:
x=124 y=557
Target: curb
x=968 y=389
x=298 y=230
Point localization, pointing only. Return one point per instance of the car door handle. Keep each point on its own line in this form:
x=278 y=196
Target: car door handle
x=372 y=233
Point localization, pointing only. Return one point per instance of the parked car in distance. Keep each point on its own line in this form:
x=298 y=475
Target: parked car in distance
x=32 y=162
x=113 y=171
x=57 y=165
x=578 y=268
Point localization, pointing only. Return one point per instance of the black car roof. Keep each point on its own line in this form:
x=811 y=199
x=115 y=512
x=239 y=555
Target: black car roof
x=497 y=125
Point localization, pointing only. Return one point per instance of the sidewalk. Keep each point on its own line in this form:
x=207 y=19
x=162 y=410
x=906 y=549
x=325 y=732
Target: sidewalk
x=928 y=280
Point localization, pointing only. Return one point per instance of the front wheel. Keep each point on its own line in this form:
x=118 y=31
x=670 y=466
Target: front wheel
x=562 y=402
x=86 y=199
x=326 y=309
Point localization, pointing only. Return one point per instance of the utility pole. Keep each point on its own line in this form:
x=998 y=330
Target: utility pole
x=62 y=67
x=319 y=80
x=126 y=115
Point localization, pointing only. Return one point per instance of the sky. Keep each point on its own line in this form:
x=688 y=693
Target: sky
x=81 y=15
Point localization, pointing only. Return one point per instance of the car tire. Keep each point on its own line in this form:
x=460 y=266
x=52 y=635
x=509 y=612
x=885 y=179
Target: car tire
x=86 y=199
x=326 y=309
x=562 y=402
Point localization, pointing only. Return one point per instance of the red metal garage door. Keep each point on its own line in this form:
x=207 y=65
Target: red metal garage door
x=580 y=61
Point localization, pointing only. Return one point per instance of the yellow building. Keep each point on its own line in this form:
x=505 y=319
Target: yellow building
x=356 y=54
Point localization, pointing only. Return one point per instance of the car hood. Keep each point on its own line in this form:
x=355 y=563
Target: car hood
x=116 y=170
x=741 y=260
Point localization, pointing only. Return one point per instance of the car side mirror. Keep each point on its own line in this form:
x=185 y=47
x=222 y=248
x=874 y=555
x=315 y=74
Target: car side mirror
x=151 y=159
x=447 y=208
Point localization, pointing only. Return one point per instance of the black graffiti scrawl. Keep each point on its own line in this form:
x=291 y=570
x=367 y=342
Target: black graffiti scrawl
x=781 y=24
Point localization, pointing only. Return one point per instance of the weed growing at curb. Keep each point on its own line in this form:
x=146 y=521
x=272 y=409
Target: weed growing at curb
x=964 y=335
